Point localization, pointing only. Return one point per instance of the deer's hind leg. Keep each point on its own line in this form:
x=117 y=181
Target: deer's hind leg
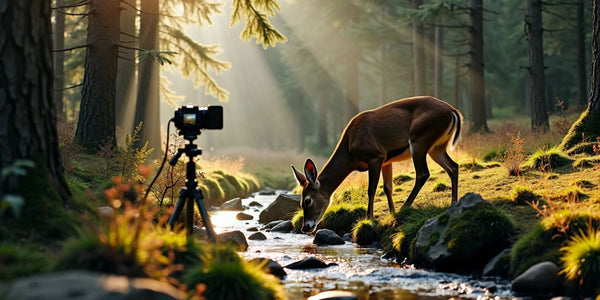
x=440 y=156
x=388 y=185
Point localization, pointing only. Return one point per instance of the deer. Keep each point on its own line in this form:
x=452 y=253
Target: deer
x=372 y=141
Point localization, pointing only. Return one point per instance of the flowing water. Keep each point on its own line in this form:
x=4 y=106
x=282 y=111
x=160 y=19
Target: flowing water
x=359 y=270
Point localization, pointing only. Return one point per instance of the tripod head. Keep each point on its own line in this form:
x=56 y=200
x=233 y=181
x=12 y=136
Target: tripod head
x=190 y=151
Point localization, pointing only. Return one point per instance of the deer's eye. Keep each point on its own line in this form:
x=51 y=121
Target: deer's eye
x=307 y=202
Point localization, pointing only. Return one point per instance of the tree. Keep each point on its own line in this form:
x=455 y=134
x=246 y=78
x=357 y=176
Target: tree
x=587 y=127
x=418 y=52
x=28 y=114
x=476 y=94
x=96 y=124
x=537 y=85
x=59 y=59
x=126 y=83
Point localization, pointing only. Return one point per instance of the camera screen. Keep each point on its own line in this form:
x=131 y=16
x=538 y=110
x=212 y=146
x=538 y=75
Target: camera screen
x=189 y=119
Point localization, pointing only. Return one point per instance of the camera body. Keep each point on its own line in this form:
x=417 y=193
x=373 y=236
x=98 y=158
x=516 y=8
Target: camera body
x=191 y=119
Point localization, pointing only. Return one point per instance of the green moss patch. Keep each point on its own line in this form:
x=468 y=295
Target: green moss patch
x=342 y=217
x=400 y=229
x=550 y=159
x=365 y=232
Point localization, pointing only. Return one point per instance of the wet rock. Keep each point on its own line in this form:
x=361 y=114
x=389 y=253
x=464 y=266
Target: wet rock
x=270 y=266
x=309 y=263
x=243 y=217
x=334 y=295
x=255 y=204
x=235 y=238
x=464 y=238
x=267 y=191
x=347 y=237
x=257 y=236
x=252 y=229
x=284 y=227
x=539 y=279
x=233 y=204
x=499 y=265
x=327 y=237
x=283 y=208
x=86 y=285
x=272 y=224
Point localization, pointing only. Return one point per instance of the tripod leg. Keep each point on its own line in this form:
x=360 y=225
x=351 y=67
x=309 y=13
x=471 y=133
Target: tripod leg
x=205 y=218
x=180 y=202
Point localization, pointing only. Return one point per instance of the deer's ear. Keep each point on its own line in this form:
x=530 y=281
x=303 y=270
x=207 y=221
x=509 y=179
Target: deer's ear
x=299 y=176
x=310 y=170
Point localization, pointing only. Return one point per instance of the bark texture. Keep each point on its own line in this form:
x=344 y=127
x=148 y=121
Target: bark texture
x=418 y=53
x=476 y=94
x=438 y=56
x=126 y=80
x=537 y=87
x=587 y=127
x=581 y=49
x=96 y=124
x=59 y=60
x=27 y=110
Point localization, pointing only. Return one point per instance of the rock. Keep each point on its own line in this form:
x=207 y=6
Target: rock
x=347 y=237
x=255 y=204
x=283 y=208
x=327 y=237
x=233 y=204
x=270 y=266
x=272 y=224
x=257 y=236
x=334 y=295
x=267 y=191
x=243 y=217
x=539 y=279
x=499 y=265
x=86 y=285
x=235 y=238
x=309 y=263
x=464 y=238
x=252 y=229
x=105 y=211
x=284 y=227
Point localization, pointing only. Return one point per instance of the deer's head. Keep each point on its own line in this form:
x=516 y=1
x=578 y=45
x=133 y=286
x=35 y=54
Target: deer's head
x=314 y=202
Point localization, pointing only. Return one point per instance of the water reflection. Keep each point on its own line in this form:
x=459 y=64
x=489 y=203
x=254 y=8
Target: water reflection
x=359 y=270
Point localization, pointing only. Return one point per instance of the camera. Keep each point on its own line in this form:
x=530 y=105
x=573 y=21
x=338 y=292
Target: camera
x=191 y=119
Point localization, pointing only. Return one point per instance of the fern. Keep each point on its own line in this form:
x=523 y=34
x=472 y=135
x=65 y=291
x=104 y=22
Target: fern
x=130 y=156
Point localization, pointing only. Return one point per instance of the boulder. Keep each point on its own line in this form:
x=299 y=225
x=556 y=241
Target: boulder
x=235 y=238
x=334 y=295
x=252 y=229
x=271 y=224
x=257 y=236
x=539 y=280
x=309 y=263
x=255 y=204
x=499 y=265
x=233 y=204
x=86 y=285
x=327 y=237
x=270 y=266
x=283 y=208
x=243 y=217
x=464 y=238
x=267 y=191
x=284 y=227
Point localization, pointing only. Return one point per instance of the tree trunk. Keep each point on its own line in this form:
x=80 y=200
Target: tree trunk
x=476 y=80
x=148 y=98
x=126 y=80
x=533 y=22
x=300 y=121
x=59 y=60
x=587 y=127
x=438 y=77
x=27 y=111
x=581 y=49
x=96 y=124
x=322 y=139
x=418 y=53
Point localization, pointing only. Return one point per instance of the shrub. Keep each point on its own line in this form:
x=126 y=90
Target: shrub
x=581 y=261
x=222 y=274
x=342 y=217
x=365 y=233
x=523 y=195
x=547 y=160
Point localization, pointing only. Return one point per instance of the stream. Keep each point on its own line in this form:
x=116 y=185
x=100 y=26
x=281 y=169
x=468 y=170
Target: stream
x=358 y=270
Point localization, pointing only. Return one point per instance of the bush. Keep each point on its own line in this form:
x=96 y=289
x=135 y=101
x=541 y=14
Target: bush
x=365 y=233
x=342 y=217
x=222 y=274
x=581 y=261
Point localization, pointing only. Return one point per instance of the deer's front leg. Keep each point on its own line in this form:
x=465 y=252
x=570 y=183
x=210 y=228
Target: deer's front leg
x=388 y=185
x=374 y=171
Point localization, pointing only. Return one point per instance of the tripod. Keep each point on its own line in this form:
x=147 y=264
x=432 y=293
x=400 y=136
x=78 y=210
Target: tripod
x=191 y=193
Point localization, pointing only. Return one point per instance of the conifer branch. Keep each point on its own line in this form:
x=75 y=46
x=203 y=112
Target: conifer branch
x=72 y=48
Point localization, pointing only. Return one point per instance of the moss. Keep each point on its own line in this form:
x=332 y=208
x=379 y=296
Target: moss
x=401 y=178
x=586 y=127
x=492 y=154
x=298 y=220
x=21 y=260
x=365 y=233
x=584 y=184
x=212 y=190
x=400 y=229
x=342 y=217
x=581 y=262
x=545 y=239
x=583 y=148
x=522 y=195
x=440 y=186
x=352 y=194
x=552 y=158
x=586 y=162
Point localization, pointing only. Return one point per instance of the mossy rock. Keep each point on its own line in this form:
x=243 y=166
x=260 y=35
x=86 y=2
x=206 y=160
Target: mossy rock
x=583 y=148
x=587 y=126
x=212 y=191
x=544 y=241
x=366 y=232
x=342 y=217
x=586 y=162
x=474 y=233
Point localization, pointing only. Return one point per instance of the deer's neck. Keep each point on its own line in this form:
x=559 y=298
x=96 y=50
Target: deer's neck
x=334 y=172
